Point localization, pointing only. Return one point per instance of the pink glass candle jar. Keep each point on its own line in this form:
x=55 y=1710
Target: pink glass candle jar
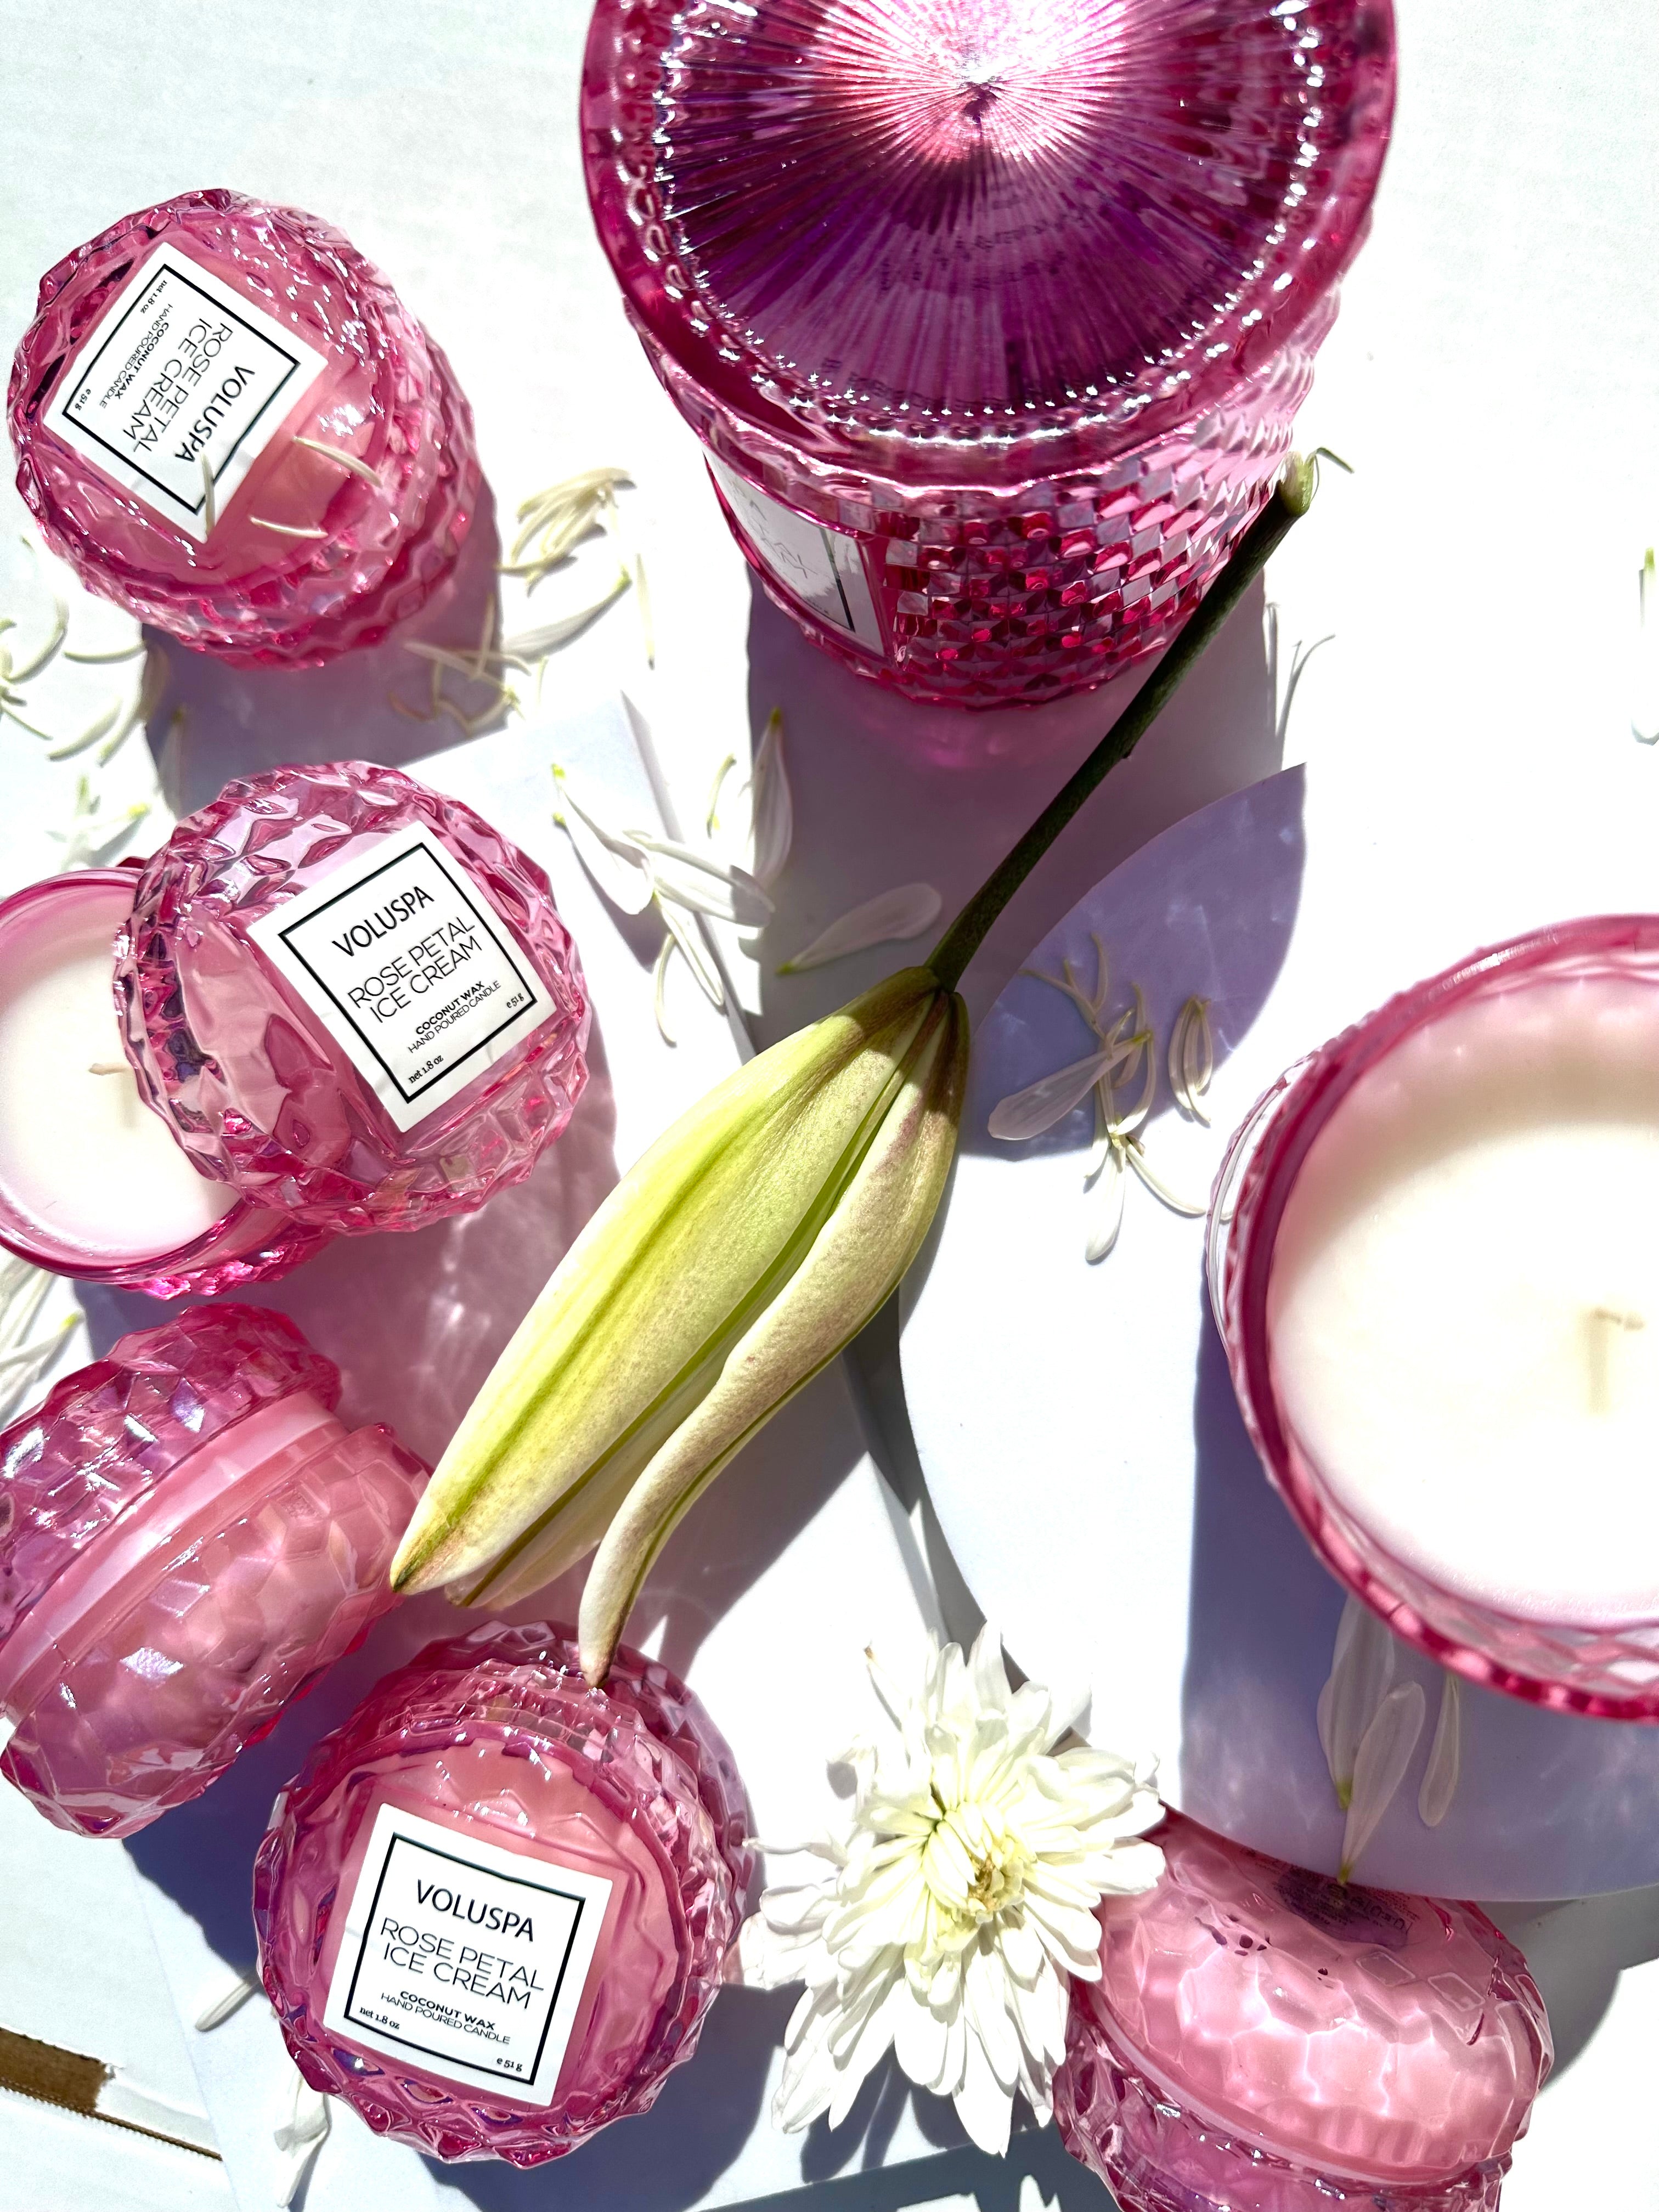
x=350 y=999
x=92 y=1183
x=188 y=1537
x=1262 y=2040
x=494 y=1909
x=226 y=421
x=993 y=314
x=1432 y=1266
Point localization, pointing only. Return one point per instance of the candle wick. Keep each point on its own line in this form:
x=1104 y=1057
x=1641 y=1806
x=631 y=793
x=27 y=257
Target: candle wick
x=1599 y=1322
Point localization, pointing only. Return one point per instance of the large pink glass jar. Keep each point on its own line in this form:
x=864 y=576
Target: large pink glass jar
x=351 y=1000
x=1263 y=2039
x=189 y=1535
x=993 y=314
x=1432 y=1264
x=495 y=1907
x=226 y=421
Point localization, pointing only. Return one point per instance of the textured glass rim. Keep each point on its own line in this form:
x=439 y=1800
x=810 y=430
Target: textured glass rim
x=725 y=369
x=1252 y=1190
x=18 y=1236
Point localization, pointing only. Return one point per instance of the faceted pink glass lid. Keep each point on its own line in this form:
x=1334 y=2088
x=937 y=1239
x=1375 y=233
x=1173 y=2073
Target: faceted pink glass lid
x=490 y=1752
x=351 y=999
x=106 y=1436
x=226 y=419
x=1358 y=2032
x=970 y=222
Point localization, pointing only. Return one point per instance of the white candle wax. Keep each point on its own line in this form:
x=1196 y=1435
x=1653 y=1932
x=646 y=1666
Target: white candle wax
x=82 y=1159
x=1464 y=1308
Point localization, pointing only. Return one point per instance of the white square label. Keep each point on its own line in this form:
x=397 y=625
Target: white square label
x=181 y=371
x=467 y=1960
x=822 y=567
x=400 y=955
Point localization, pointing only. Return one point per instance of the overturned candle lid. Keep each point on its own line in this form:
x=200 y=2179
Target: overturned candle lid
x=351 y=999
x=226 y=421
x=494 y=1909
x=1261 y=2035
x=188 y=1535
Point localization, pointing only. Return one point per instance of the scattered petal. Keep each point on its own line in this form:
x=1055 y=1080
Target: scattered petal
x=891 y=919
x=1445 y=1757
x=684 y=931
x=616 y=863
x=711 y=818
x=1362 y=1669
x=703 y=882
x=1385 y=1752
x=1033 y=1111
x=773 y=805
x=232 y=2000
x=1103 y=1206
x=659 y=980
x=358 y=466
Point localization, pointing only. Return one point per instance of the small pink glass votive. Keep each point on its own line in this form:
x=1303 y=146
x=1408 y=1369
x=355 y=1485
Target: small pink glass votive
x=1263 y=2039
x=93 y=1183
x=992 y=315
x=350 y=999
x=226 y=421
x=188 y=1537
x=1431 y=1264
x=494 y=1908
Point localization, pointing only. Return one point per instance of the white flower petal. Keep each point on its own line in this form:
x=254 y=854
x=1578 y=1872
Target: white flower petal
x=703 y=882
x=1103 y=1207
x=1029 y=1113
x=684 y=931
x=1385 y=1753
x=615 y=862
x=1445 y=1757
x=889 y=919
x=1362 y=1668
x=774 y=808
x=984 y=2107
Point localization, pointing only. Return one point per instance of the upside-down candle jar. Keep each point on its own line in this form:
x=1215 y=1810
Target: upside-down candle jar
x=1432 y=1259
x=226 y=421
x=494 y=1908
x=991 y=314
x=188 y=1536
x=1262 y=2040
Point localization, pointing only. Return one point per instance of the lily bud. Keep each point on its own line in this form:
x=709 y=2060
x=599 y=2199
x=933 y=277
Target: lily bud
x=731 y=1264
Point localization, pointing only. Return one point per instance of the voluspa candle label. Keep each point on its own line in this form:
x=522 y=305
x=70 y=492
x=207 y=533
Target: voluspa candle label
x=820 y=566
x=401 y=956
x=464 y=1959
x=181 y=374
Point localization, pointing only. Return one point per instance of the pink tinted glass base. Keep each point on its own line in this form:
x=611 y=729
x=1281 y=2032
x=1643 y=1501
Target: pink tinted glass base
x=153 y=1674
x=211 y=1028
x=1262 y=2040
x=248 y=1244
x=1023 y=297
x=496 y=1734
x=1609 y=1672
x=386 y=397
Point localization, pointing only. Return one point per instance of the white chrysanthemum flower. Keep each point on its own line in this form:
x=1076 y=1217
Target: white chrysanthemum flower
x=961 y=1901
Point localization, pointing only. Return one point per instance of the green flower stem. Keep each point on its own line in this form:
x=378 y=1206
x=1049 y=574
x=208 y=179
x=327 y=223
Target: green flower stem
x=968 y=932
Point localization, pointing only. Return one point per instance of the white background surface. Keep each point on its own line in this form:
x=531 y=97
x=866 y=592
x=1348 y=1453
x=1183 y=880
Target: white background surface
x=1494 y=376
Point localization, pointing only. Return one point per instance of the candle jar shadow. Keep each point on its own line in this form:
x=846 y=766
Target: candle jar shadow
x=214 y=721
x=1547 y=1803
x=888 y=793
